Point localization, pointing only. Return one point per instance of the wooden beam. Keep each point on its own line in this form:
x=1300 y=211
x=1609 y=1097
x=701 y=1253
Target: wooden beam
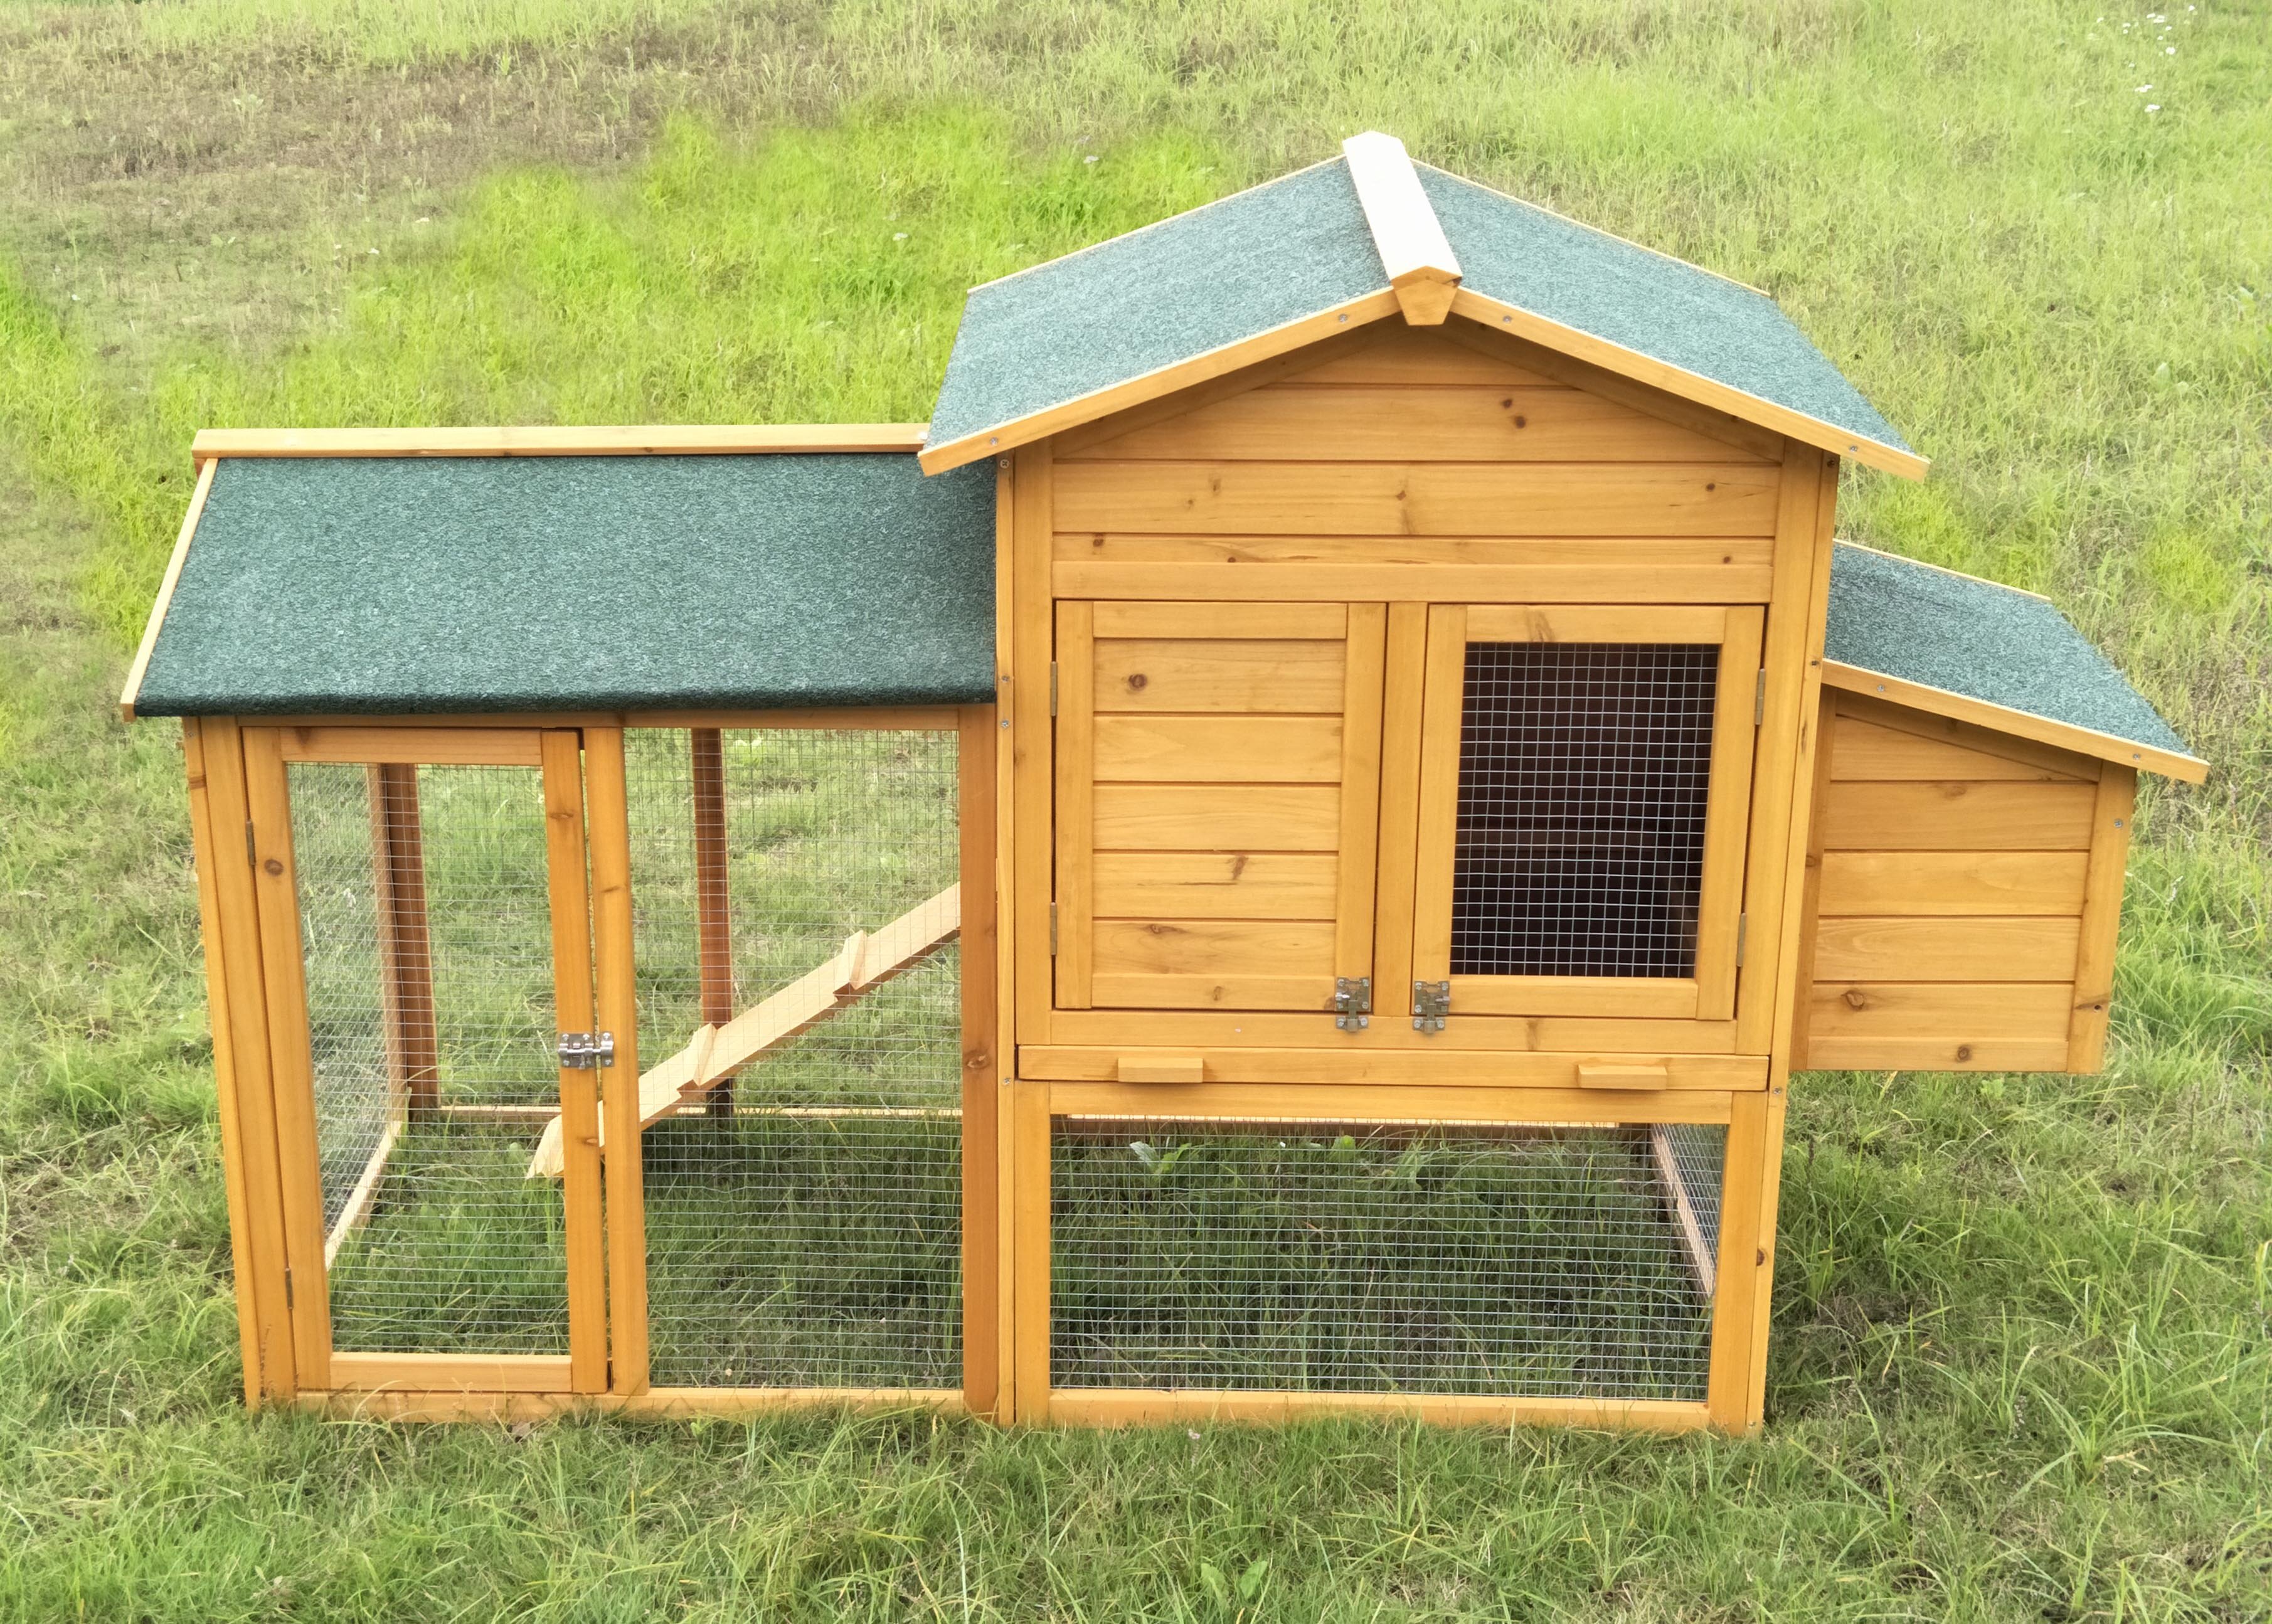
x=1414 y=251
x=981 y=1087
x=607 y=810
x=248 y=1142
x=677 y=440
x=2025 y=724
x=1689 y=385
x=406 y=959
x=713 y=932
x=864 y=963
x=568 y=893
x=1149 y=1407
x=2102 y=915
x=1682 y=1207
x=361 y=1199
x=450 y=1372
x=132 y=688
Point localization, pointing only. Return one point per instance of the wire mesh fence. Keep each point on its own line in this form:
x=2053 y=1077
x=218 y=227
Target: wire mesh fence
x=804 y=1220
x=1377 y=1257
x=1584 y=770
x=426 y=938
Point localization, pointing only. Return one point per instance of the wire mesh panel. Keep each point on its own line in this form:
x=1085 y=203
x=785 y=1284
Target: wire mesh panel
x=803 y=1218
x=1383 y=1257
x=426 y=937
x=1584 y=769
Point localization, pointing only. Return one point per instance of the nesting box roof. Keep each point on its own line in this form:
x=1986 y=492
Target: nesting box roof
x=409 y=585
x=1343 y=244
x=1978 y=651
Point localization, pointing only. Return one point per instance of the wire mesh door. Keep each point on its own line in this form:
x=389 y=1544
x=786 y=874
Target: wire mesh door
x=425 y=914
x=1585 y=778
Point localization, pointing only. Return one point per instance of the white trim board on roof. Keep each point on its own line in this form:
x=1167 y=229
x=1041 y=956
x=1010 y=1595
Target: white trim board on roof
x=1411 y=239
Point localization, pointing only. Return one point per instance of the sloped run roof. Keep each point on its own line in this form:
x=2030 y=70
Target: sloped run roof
x=407 y=585
x=1299 y=247
x=1982 y=641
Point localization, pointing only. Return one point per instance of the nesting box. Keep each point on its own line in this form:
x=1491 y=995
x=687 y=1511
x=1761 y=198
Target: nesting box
x=1278 y=855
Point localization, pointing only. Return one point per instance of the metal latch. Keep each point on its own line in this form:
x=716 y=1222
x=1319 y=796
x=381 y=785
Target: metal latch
x=1352 y=1002
x=1432 y=1001
x=584 y=1052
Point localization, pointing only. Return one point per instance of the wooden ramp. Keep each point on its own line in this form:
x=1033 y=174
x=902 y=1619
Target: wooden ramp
x=865 y=962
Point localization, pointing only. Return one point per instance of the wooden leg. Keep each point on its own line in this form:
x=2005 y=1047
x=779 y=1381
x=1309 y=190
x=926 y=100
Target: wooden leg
x=982 y=1281
x=712 y=921
x=607 y=799
x=1735 y=1322
x=405 y=955
x=1030 y=1276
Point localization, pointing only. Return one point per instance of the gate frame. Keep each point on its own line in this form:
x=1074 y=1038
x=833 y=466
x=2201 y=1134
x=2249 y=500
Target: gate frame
x=234 y=768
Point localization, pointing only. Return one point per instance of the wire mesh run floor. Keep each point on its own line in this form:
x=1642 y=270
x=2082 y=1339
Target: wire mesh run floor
x=1412 y=1258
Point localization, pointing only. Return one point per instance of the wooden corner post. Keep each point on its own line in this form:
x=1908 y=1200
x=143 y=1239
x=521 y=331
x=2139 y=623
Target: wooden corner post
x=982 y=1280
x=607 y=808
x=230 y=927
x=713 y=926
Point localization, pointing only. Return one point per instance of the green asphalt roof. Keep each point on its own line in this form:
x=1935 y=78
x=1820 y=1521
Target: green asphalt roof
x=1155 y=298
x=1642 y=301
x=408 y=585
x=1300 y=246
x=1981 y=640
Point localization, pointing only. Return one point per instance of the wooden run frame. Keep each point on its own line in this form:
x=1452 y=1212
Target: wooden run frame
x=247 y=892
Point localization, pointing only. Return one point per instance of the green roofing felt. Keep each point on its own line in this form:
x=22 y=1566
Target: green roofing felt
x=1296 y=247
x=1156 y=297
x=408 y=584
x=1981 y=640
x=1643 y=301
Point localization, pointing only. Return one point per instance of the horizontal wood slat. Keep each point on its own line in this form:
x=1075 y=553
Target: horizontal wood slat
x=2042 y=949
x=1386 y=423
x=1218 y=749
x=1256 y=991
x=1217 y=620
x=1217 y=818
x=1869 y=749
x=1417 y=358
x=1245 y=675
x=1995 y=1025
x=1910 y=883
x=1946 y=815
x=1409 y=1067
x=1442 y=499
x=1212 y=947
x=1199 y=885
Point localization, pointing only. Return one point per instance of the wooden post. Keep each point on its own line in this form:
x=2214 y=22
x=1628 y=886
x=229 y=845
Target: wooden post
x=980 y=1090
x=607 y=798
x=2110 y=818
x=248 y=1134
x=712 y=921
x=579 y=1094
x=1030 y=1272
x=405 y=955
x=1742 y=1264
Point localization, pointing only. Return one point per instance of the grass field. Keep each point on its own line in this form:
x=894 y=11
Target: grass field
x=2023 y=1357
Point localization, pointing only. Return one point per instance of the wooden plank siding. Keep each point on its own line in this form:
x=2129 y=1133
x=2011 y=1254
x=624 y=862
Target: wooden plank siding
x=1217 y=772
x=1956 y=869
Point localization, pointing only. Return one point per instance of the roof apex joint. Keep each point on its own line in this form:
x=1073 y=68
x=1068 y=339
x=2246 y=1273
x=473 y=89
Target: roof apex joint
x=1415 y=253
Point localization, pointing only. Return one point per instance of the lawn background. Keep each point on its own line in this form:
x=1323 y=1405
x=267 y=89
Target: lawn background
x=2022 y=1358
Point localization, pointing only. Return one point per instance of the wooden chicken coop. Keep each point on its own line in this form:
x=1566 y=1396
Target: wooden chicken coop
x=1277 y=856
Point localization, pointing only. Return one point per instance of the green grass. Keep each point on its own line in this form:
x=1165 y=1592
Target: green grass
x=2020 y=1365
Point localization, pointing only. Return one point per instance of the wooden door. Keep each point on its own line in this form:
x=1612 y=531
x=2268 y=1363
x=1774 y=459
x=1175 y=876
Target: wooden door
x=1585 y=786
x=1217 y=799
x=425 y=934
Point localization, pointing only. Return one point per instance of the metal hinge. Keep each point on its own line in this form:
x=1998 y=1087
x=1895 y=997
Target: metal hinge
x=1743 y=930
x=1053 y=930
x=1053 y=687
x=1759 y=700
x=287 y=1288
x=1352 y=1002
x=252 y=857
x=1432 y=1003
x=584 y=1052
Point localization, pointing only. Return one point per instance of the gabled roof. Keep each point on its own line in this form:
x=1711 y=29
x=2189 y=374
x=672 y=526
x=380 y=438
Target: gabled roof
x=1957 y=645
x=1359 y=239
x=395 y=584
